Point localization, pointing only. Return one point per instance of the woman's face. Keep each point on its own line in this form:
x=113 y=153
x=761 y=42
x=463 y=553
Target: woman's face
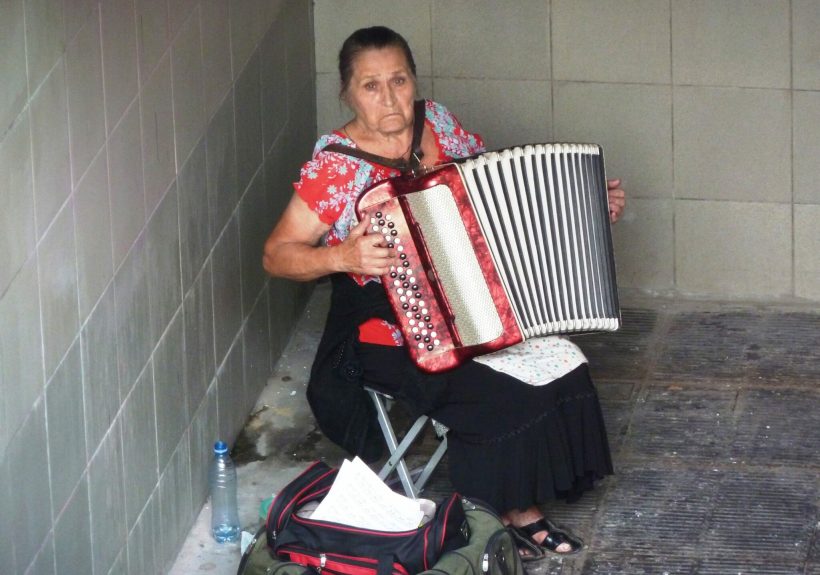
x=381 y=90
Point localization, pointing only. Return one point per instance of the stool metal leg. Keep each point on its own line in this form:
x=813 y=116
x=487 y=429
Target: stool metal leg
x=397 y=450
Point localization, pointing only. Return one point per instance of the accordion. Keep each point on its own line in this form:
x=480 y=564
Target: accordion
x=497 y=248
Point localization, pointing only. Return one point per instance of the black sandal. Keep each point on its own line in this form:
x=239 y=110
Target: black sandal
x=554 y=539
x=527 y=549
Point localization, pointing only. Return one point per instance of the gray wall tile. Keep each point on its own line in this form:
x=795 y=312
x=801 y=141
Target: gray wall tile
x=806 y=147
x=633 y=124
x=162 y=253
x=258 y=366
x=133 y=316
x=120 y=564
x=49 y=142
x=107 y=501
x=101 y=389
x=611 y=41
x=19 y=237
x=58 y=288
x=473 y=39
x=227 y=289
x=126 y=183
x=66 y=427
x=153 y=38
x=248 y=106
x=139 y=446
x=28 y=471
x=644 y=245
x=255 y=222
x=731 y=43
x=274 y=92
x=92 y=219
x=188 y=95
x=21 y=353
x=331 y=112
x=718 y=151
x=335 y=20
x=119 y=45
x=204 y=432
x=171 y=404
x=246 y=30
x=13 y=90
x=285 y=298
x=85 y=111
x=223 y=194
x=179 y=11
x=85 y=96
x=158 y=155
x=6 y=542
x=527 y=106
x=300 y=43
x=231 y=394
x=75 y=14
x=216 y=53
x=195 y=240
x=145 y=539
x=72 y=533
x=807 y=251
x=175 y=501
x=741 y=248
x=805 y=45
x=43 y=563
x=198 y=311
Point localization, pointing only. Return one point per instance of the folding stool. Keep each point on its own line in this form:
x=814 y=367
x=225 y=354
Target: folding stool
x=412 y=486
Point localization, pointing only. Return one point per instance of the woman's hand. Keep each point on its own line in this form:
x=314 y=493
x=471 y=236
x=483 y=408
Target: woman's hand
x=362 y=253
x=617 y=199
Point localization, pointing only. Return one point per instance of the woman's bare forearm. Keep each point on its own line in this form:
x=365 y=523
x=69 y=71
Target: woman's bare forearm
x=300 y=262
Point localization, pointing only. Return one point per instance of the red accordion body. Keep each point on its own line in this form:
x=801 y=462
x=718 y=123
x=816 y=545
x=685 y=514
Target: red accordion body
x=444 y=239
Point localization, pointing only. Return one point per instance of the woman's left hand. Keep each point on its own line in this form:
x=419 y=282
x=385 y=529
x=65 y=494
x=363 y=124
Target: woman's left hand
x=617 y=199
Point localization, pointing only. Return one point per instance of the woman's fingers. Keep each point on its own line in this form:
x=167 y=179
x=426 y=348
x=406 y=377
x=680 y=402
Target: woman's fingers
x=366 y=253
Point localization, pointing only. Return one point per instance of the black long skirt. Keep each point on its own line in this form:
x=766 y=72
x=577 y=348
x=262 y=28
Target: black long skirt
x=511 y=444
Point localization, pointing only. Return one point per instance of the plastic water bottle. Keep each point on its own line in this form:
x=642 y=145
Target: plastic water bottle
x=224 y=512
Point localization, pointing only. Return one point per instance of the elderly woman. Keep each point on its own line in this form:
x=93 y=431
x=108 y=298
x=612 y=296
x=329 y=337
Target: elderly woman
x=525 y=428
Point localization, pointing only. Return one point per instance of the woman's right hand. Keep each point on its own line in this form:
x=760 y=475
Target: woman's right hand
x=363 y=253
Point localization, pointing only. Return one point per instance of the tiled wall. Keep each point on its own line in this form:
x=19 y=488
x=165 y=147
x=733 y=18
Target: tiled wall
x=146 y=149
x=709 y=110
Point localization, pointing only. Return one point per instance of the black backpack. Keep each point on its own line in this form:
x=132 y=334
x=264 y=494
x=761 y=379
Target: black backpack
x=489 y=550
x=346 y=550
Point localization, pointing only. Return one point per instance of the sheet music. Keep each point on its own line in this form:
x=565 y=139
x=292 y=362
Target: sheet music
x=359 y=498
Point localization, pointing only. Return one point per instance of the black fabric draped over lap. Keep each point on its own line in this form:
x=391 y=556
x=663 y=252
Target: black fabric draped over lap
x=511 y=444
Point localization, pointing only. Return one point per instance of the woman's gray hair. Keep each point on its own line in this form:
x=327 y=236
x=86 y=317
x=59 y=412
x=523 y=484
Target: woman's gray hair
x=375 y=37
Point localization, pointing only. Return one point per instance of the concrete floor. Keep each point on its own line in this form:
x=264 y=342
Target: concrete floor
x=713 y=413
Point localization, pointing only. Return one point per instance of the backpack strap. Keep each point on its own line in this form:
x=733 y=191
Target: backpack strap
x=404 y=166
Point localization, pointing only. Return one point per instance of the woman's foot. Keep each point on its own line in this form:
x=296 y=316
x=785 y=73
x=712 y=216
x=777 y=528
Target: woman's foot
x=536 y=535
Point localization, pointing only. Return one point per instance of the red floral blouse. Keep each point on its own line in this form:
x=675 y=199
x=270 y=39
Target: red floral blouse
x=330 y=183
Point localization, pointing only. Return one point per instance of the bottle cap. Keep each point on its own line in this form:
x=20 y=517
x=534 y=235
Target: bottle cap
x=220 y=447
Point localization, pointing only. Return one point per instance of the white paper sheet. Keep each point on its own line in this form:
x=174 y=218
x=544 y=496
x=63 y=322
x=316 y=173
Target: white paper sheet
x=359 y=498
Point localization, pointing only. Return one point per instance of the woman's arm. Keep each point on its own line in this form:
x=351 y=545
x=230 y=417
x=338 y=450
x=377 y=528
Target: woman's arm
x=292 y=250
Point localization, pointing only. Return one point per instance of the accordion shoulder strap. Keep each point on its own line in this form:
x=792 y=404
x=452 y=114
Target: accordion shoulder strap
x=405 y=166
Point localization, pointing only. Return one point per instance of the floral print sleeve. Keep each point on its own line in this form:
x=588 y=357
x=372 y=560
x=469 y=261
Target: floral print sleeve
x=453 y=140
x=330 y=183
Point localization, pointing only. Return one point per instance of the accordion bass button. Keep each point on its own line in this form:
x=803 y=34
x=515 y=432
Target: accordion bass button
x=378 y=214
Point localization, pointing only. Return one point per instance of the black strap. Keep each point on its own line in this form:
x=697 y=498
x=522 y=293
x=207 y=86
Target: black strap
x=404 y=166
x=385 y=565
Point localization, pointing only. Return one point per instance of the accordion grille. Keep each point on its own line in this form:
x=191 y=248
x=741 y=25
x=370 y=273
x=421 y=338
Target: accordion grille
x=457 y=267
